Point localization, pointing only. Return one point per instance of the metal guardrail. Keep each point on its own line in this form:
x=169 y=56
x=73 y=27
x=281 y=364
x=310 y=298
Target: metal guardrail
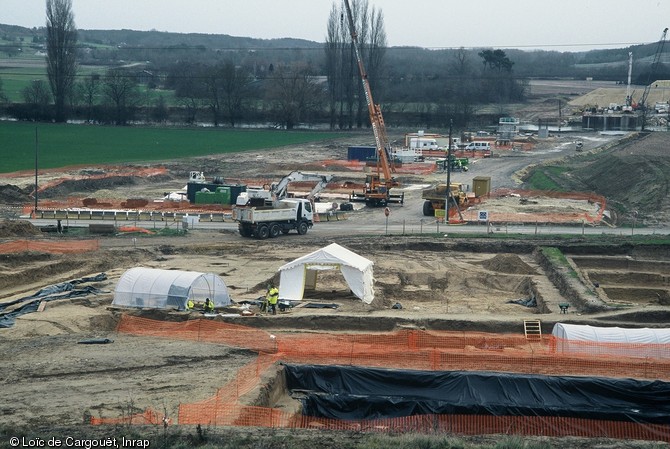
x=59 y=214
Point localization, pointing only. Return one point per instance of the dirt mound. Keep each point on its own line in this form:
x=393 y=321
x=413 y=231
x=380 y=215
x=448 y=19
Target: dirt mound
x=508 y=263
x=11 y=228
x=11 y=194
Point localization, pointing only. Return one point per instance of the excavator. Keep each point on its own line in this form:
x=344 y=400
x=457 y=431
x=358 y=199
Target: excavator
x=377 y=191
x=269 y=196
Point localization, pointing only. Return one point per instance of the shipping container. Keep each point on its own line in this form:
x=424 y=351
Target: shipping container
x=361 y=153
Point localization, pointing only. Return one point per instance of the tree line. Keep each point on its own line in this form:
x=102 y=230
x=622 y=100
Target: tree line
x=315 y=84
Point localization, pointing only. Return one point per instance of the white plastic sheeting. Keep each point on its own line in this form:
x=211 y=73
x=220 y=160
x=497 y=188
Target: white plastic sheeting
x=301 y=274
x=168 y=289
x=640 y=342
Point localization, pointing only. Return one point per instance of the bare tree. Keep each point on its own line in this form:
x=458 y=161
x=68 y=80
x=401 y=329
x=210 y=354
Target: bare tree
x=37 y=98
x=61 y=52
x=333 y=64
x=234 y=85
x=345 y=87
x=294 y=95
x=3 y=97
x=120 y=88
x=211 y=82
x=376 y=52
x=88 y=91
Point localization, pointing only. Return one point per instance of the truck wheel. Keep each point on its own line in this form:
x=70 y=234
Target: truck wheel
x=302 y=228
x=245 y=231
x=262 y=231
x=275 y=230
x=428 y=210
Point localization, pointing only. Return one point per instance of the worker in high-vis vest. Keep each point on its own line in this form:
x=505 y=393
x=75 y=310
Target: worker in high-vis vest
x=209 y=306
x=272 y=297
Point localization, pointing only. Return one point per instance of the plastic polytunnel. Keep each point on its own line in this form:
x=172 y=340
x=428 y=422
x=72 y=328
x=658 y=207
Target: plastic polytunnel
x=631 y=342
x=168 y=289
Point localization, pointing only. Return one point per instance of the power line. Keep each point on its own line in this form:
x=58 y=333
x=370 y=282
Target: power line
x=321 y=47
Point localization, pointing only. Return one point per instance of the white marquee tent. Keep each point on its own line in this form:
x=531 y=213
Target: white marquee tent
x=640 y=342
x=301 y=274
x=168 y=289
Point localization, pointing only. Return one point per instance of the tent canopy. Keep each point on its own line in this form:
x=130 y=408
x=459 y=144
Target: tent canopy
x=168 y=289
x=301 y=273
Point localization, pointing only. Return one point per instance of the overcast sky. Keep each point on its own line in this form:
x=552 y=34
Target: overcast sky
x=561 y=25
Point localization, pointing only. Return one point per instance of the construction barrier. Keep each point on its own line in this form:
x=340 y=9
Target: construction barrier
x=50 y=246
x=408 y=349
x=598 y=201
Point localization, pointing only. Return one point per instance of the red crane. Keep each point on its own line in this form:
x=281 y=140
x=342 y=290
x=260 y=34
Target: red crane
x=378 y=186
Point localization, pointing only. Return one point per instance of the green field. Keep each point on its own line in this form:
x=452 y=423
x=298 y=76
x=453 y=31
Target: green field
x=64 y=145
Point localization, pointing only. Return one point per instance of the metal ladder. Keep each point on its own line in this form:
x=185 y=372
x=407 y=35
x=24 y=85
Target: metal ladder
x=533 y=330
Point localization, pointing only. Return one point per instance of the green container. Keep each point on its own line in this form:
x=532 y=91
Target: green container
x=235 y=190
x=225 y=194
x=205 y=198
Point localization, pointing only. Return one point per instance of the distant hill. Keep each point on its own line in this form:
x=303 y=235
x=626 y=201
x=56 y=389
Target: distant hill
x=155 y=39
x=610 y=64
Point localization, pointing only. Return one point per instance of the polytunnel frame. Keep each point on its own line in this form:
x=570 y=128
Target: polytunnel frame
x=183 y=285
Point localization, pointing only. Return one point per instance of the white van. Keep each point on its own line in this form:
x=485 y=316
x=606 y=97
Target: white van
x=423 y=143
x=479 y=146
x=484 y=147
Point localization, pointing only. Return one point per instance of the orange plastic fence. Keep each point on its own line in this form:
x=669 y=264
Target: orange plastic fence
x=50 y=246
x=537 y=217
x=231 y=414
x=434 y=350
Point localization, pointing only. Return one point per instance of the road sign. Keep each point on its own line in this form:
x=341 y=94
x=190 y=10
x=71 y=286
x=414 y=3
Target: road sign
x=483 y=215
x=387 y=211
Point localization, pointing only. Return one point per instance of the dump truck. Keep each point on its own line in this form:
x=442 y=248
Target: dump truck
x=436 y=196
x=280 y=218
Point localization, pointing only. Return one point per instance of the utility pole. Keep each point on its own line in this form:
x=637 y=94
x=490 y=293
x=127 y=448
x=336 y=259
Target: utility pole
x=446 y=203
x=36 y=145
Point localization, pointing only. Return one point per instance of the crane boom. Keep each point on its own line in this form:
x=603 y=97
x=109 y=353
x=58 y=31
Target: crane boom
x=377 y=188
x=652 y=71
x=629 y=99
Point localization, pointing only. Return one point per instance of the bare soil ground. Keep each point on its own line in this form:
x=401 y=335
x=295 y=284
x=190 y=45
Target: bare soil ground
x=440 y=283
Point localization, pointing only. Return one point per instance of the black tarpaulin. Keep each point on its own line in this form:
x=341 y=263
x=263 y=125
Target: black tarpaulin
x=50 y=293
x=354 y=393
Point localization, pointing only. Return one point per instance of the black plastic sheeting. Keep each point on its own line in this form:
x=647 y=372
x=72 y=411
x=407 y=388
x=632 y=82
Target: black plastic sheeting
x=356 y=393
x=51 y=293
